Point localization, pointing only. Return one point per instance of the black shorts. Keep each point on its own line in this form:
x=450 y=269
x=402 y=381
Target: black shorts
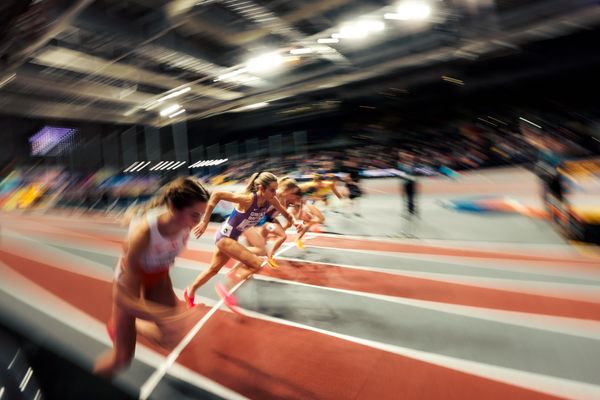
x=354 y=192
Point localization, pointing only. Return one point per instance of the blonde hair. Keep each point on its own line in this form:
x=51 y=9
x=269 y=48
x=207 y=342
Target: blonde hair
x=262 y=178
x=288 y=184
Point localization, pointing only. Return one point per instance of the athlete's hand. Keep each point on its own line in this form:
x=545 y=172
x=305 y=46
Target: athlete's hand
x=299 y=225
x=199 y=229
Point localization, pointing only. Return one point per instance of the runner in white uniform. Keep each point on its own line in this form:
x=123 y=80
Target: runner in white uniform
x=143 y=296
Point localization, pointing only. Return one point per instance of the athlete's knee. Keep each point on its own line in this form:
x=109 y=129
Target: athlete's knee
x=261 y=252
x=222 y=244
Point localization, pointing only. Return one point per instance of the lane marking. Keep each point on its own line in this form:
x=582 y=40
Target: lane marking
x=148 y=387
x=38 y=298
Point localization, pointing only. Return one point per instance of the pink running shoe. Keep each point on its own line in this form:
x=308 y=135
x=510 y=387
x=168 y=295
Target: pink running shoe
x=228 y=299
x=189 y=301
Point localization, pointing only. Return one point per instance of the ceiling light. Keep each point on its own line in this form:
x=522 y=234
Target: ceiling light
x=170 y=110
x=231 y=74
x=303 y=50
x=265 y=62
x=177 y=113
x=371 y=25
x=131 y=111
x=328 y=40
x=351 y=31
x=410 y=11
x=175 y=94
x=254 y=106
x=8 y=79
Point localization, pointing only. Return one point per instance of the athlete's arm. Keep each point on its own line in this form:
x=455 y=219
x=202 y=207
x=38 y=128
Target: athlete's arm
x=243 y=200
x=334 y=190
x=289 y=217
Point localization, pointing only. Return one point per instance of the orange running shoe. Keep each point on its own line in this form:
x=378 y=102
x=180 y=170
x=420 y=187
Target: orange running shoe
x=271 y=263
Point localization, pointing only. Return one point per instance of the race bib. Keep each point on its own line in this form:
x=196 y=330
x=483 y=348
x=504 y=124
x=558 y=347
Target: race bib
x=226 y=230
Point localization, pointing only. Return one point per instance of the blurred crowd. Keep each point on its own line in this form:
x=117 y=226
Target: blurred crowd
x=471 y=147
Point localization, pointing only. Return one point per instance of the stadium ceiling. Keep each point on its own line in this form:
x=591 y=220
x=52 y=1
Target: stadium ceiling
x=155 y=62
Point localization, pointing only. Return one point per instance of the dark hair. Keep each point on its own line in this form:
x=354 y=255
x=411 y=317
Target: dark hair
x=262 y=178
x=181 y=193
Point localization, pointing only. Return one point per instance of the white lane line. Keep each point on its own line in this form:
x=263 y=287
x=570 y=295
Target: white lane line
x=553 y=323
x=148 y=386
x=565 y=325
x=577 y=260
x=517 y=249
x=533 y=268
x=447 y=243
x=56 y=308
x=568 y=291
x=155 y=378
x=537 y=382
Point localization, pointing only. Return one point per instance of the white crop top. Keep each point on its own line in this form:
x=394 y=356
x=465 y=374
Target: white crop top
x=161 y=251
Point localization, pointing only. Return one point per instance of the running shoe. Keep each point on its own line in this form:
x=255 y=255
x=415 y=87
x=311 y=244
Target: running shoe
x=189 y=301
x=272 y=263
x=228 y=299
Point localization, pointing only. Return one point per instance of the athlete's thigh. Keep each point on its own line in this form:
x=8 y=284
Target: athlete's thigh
x=275 y=229
x=313 y=210
x=235 y=250
x=255 y=237
x=161 y=292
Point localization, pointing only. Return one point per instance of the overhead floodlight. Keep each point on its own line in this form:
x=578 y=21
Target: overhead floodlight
x=410 y=10
x=371 y=25
x=351 y=31
x=328 y=40
x=177 y=113
x=254 y=106
x=130 y=111
x=174 y=94
x=265 y=63
x=231 y=74
x=8 y=79
x=303 y=50
x=170 y=110
x=258 y=105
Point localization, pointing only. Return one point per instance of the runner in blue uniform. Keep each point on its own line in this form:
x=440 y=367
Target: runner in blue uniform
x=250 y=210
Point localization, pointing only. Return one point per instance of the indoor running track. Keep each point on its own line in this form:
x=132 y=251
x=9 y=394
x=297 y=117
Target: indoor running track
x=344 y=318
